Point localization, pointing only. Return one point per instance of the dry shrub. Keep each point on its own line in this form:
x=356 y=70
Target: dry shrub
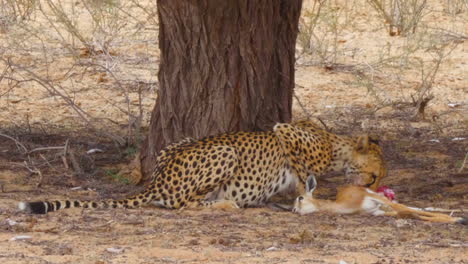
x=65 y=42
x=12 y=11
x=320 y=27
x=455 y=7
x=401 y=16
x=399 y=65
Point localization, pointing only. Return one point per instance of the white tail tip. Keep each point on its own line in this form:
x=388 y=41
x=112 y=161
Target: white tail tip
x=22 y=206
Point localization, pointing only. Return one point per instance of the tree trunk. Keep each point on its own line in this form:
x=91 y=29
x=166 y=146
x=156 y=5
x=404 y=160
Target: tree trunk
x=226 y=65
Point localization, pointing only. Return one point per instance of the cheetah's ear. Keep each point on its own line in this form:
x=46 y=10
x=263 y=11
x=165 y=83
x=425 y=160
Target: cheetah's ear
x=362 y=144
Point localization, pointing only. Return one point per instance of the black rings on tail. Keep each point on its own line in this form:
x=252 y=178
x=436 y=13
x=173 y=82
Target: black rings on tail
x=43 y=207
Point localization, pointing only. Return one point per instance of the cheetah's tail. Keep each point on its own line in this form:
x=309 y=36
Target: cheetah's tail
x=43 y=207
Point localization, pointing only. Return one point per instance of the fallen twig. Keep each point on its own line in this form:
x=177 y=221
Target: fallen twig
x=33 y=170
x=44 y=148
x=64 y=156
x=18 y=144
x=463 y=164
x=75 y=164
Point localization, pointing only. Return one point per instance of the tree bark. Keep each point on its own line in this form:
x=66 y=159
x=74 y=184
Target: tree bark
x=226 y=65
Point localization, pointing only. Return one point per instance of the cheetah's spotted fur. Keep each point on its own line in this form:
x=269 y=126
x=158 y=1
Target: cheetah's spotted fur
x=244 y=169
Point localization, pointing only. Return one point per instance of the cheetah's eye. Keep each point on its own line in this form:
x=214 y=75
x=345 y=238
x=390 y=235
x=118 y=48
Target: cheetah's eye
x=300 y=198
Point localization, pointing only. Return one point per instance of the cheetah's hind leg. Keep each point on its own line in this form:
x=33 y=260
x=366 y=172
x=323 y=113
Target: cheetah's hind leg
x=217 y=204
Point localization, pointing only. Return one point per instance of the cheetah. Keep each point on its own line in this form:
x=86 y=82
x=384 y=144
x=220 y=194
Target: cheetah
x=244 y=169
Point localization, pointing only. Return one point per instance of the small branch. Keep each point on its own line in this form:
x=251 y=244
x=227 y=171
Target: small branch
x=309 y=116
x=4 y=73
x=31 y=170
x=64 y=156
x=422 y=106
x=54 y=89
x=463 y=164
x=45 y=148
x=75 y=164
x=18 y=144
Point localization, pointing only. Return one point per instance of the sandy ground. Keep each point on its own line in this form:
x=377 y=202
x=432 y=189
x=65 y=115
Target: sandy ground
x=254 y=235
x=425 y=156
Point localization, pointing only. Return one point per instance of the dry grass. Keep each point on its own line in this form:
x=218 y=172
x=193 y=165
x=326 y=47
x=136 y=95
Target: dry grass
x=65 y=42
x=80 y=77
x=412 y=62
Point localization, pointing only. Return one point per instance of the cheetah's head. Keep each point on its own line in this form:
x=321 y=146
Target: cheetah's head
x=367 y=166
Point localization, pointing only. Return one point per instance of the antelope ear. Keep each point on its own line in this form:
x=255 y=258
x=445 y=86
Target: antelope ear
x=311 y=184
x=362 y=144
